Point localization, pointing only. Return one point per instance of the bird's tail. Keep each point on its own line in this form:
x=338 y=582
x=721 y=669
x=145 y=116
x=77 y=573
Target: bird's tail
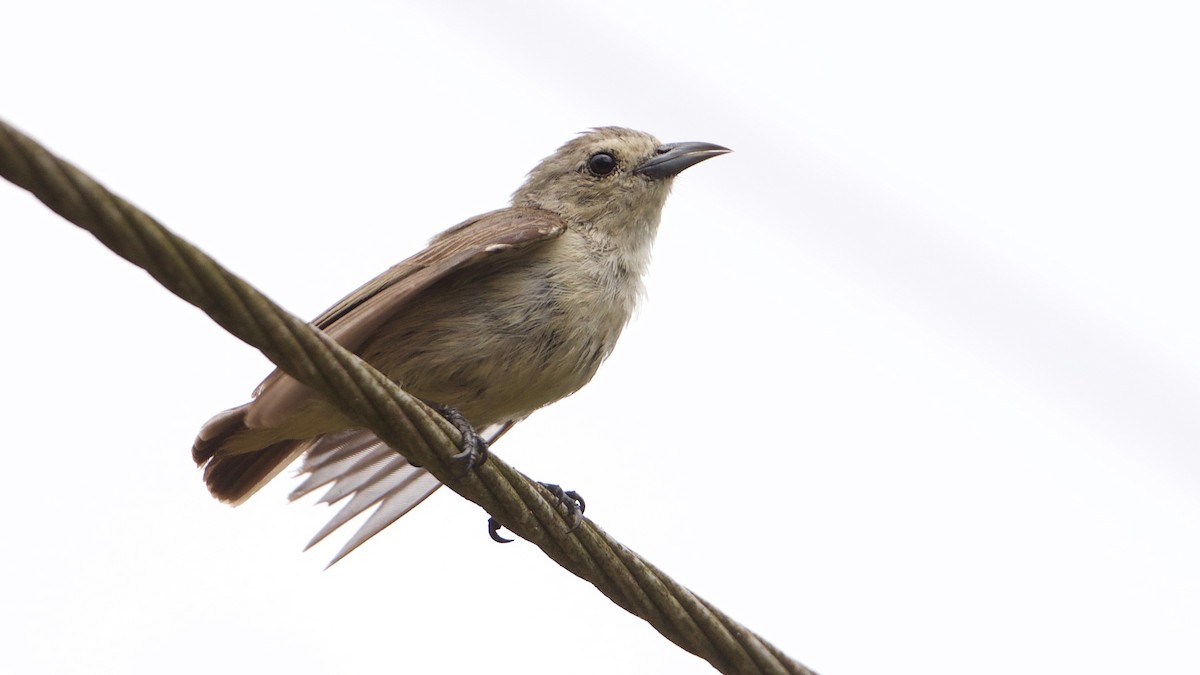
x=234 y=476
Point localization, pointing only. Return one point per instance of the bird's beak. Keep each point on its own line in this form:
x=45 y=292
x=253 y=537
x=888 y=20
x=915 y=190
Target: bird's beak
x=671 y=159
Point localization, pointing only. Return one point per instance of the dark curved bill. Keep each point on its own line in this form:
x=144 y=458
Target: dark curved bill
x=673 y=158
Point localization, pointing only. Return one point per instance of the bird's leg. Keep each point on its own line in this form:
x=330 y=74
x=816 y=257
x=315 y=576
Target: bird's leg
x=569 y=498
x=473 y=450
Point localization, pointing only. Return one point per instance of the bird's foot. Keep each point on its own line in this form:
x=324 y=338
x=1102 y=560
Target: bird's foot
x=473 y=450
x=570 y=499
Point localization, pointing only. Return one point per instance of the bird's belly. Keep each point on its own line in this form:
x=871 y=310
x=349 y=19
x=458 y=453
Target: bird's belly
x=503 y=377
x=500 y=348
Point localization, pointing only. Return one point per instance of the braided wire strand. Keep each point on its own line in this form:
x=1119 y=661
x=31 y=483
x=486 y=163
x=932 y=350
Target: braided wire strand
x=521 y=505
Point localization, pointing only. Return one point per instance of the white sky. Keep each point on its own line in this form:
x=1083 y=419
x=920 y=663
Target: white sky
x=915 y=388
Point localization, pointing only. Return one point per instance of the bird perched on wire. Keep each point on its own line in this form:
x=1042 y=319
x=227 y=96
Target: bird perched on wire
x=500 y=315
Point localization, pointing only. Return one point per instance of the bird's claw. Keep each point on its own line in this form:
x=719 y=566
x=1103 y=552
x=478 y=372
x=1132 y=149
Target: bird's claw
x=473 y=450
x=494 y=527
x=569 y=498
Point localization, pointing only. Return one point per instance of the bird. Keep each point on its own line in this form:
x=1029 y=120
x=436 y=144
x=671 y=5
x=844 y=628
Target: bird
x=496 y=318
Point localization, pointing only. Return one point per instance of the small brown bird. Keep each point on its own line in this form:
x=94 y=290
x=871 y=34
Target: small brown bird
x=499 y=316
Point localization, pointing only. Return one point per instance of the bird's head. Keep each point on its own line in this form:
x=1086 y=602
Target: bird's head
x=610 y=177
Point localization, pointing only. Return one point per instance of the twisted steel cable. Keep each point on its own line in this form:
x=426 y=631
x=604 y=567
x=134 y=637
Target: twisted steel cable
x=519 y=504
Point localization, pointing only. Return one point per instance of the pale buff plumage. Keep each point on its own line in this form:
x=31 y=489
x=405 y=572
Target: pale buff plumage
x=497 y=317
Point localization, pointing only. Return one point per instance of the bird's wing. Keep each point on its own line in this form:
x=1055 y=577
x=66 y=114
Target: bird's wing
x=356 y=464
x=353 y=462
x=496 y=233
x=355 y=318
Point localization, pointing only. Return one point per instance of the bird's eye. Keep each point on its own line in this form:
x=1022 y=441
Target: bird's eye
x=601 y=164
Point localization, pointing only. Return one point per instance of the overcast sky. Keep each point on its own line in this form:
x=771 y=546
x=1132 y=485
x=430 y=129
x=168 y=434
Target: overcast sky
x=915 y=387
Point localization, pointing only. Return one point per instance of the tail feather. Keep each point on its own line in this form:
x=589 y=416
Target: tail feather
x=233 y=478
x=353 y=464
x=217 y=431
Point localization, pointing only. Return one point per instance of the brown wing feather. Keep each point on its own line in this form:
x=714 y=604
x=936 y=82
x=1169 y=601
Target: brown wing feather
x=356 y=316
